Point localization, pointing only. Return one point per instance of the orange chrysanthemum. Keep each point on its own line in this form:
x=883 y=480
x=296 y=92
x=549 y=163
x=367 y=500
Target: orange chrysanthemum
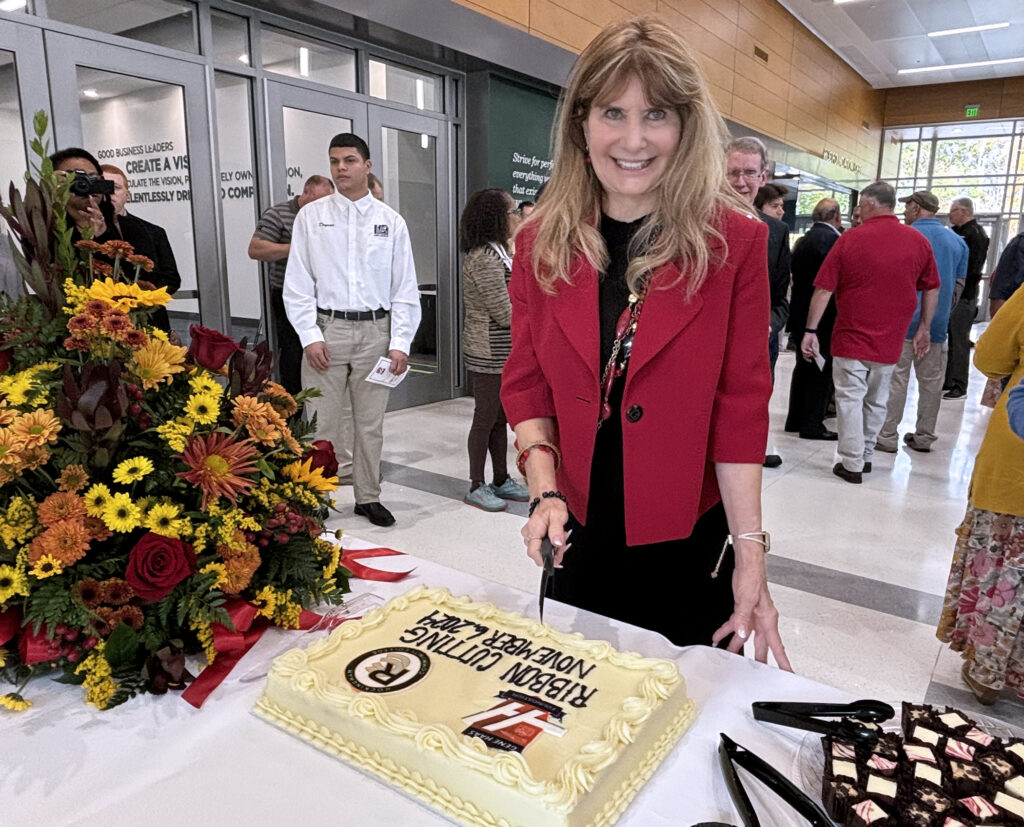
x=218 y=463
x=81 y=323
x=115 y=323
x=284 y=403
x=143 y=262
x=36 y=428
x=96 y=308
x=7 y=415
x=101 y=268
x=117 y=248
x=89 y=245
x=73 y=478
x=62 y=505
x=11 y=446
x=97 y=529
x=134 y=338
x=240 y=565
x=116 y=591
x=131 y=615
x=69 y=541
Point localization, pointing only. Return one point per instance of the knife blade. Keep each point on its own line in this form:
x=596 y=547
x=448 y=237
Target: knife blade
x=547 y=556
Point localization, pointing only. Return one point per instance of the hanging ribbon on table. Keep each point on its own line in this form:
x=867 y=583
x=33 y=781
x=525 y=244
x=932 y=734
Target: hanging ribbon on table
x=10 y=624
x=350 y=556
x=232 y=644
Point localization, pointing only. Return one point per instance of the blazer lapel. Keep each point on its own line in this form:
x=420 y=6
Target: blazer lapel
x=665 y=314
x=576 y=313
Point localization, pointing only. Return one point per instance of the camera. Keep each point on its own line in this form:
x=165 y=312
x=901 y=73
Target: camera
x=84 y=185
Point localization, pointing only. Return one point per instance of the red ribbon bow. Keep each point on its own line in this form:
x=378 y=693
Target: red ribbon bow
x=349 y=556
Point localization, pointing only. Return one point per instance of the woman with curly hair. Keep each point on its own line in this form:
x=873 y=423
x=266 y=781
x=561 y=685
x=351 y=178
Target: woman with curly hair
x=638 y=382
x=485 y=229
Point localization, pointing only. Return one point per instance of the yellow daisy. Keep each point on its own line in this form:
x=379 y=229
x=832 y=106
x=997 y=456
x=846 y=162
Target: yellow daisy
x=127 y=296
x=163 y=519
x=301 y=473
x=265 y=602
x=14 y=702
x=36 y=428
x=203 y=382
x=132 y=470
x=157 y=362
x=204 y=408
x=97 y=498
x=46 y=566
x=121 y=514
x=12 y=582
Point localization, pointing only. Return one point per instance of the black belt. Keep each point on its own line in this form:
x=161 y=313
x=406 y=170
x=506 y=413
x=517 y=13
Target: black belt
x=354 y=315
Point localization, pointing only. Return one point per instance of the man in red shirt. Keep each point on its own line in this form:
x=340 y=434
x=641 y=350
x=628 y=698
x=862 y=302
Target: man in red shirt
x=875 y=271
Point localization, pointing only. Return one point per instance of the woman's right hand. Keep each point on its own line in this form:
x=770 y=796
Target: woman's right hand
x=548 y=520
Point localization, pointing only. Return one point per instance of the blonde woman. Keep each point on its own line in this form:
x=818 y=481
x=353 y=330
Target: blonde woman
x=638 y=381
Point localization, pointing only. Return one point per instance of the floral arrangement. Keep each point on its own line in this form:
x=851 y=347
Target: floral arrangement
x=146 y=489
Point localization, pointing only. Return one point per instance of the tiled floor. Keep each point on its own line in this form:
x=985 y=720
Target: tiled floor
x=858 y=572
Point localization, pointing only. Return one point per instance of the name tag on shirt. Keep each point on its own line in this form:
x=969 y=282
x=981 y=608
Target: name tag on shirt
x=380 y=230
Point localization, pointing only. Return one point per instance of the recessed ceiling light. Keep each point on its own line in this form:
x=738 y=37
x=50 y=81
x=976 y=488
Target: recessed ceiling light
x=90 y=93
x=985 y=28
x=243 y=59
x=13 y=5
x=962 y=65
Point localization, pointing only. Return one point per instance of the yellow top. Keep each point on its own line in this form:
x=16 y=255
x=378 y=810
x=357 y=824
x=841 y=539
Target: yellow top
x=998 y=481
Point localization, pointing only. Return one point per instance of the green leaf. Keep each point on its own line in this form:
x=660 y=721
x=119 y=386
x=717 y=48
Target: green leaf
x=122 y=647
x=266 y=468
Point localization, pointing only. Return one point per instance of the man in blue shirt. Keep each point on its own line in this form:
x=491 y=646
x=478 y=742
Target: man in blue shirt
x=950 y=253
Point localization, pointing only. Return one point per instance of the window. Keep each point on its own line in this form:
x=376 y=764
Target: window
x=169 y=23
x=400 y=84
x=288 y=54
x=230 y=37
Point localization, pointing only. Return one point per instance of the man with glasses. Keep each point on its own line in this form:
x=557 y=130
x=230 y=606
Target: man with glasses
x=746 y=166
x=961 y=318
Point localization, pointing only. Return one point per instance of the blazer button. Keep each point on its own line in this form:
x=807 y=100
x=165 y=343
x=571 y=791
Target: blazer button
x=634 y=413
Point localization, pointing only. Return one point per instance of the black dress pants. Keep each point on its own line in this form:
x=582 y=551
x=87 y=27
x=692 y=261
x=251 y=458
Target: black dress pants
x=958 y=363
x=809 y=393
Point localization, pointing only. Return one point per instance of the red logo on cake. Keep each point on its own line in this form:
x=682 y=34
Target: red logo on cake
x=513 y=724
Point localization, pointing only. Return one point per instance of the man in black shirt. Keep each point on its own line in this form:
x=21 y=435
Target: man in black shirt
x=961 y=216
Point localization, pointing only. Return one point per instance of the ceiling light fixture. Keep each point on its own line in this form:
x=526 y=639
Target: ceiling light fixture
x=244 y=58
x=304 y=61
x=13 y=5
x=962 y=65
x=90 y=93
x=985 y=28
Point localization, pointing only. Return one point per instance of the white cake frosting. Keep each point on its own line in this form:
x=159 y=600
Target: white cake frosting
x=575 y=728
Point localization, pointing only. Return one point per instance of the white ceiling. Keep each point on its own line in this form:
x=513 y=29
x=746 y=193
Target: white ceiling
x=880 y=37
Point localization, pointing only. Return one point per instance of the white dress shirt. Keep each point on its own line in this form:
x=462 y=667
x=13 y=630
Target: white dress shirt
x=351 y=255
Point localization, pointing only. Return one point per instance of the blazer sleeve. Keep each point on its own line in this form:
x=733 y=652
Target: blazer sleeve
x=525 y=392
x=1000 y=349
x=739 y=418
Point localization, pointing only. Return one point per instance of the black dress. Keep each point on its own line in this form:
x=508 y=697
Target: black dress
x=665 y=587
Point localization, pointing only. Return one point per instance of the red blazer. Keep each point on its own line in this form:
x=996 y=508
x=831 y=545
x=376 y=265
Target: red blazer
x=698 y=377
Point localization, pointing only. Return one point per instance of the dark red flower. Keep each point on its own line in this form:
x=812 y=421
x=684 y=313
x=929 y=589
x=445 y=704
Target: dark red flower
x=322 y=454
x=210 y=348
x=157 y=564
x=5 y=360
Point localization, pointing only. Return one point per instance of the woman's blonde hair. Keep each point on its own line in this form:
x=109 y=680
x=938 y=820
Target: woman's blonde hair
x=693 y=189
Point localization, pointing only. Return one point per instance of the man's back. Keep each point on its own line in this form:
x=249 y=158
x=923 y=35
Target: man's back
x=875 y=271
x=950 y=253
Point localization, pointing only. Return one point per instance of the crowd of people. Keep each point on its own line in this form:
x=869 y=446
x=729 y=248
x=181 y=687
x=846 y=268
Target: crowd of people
x=627 y=326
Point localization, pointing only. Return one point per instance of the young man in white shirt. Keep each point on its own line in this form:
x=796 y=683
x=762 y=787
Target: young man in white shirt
x=350 y=292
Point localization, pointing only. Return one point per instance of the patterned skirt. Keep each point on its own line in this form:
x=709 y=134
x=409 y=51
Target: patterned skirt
x=984 y=604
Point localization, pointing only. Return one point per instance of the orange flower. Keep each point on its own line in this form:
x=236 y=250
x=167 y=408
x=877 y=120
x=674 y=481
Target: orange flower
x=81 y=323
x=116 y=591
x=7 y=415
x=240 y=565
x=72 y=343
x=96 y=307
x=36 y=428
x=132 y=615
x=101 y=268
x=282 y=401
x=69 y=541
x=218 y=463
x=88 y=244
x=143 y=262
x=11 y=446
x=97 y=529
x=114 y=323
x=90 y=592
x=117 y=248
x=73 y=478
x=62 y=505
x=105 y=620
x=134 y=338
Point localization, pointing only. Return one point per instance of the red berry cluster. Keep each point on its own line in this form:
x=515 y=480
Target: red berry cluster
x=135 y=409
x=69 y=643
x=286 y=523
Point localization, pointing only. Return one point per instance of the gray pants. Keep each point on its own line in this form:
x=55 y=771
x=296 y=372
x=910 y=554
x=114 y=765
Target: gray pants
x=930 y=371
x=354 y=348
x=861 y=391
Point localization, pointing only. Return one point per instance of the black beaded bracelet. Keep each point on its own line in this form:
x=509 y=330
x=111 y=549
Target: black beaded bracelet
x=810 y=330
x=558 y=495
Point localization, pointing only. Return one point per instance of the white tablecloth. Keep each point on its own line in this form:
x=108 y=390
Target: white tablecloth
x=158 y=761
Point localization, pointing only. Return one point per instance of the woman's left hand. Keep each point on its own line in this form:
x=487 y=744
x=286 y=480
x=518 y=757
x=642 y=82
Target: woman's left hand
x=753 y=613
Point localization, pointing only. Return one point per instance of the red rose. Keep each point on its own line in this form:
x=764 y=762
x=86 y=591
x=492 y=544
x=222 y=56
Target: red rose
x=210 y=348
x=157 y=564
x=322 y=454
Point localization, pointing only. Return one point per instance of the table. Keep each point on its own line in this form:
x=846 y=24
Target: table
x=158 y=761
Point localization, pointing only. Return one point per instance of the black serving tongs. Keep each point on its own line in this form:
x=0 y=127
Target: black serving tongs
x=732 y=755
x=854 y=724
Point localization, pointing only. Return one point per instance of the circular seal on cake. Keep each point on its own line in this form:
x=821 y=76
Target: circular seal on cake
x=390 y=669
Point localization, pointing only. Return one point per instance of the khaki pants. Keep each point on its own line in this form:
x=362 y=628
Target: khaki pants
x=354 y=348
x=861 y=392
x=930 y=371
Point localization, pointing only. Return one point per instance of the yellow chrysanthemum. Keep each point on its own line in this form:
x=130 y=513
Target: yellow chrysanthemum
x=12 y=583
x=203 y=382
x=97 y=498
x=265 y=602
x=203 y=408
x=14 y=702
x=17 y=389
x=132 y=470
x=46 y=566
x=222 y=573
x=312 y=478
x=157 y=362
x=121 y=514
x=175 y=434
x=163 y=519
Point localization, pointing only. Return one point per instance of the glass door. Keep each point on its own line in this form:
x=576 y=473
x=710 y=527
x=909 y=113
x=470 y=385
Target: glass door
x=148 y=116
x=410 y=156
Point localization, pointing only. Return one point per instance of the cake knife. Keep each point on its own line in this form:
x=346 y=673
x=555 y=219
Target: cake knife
x=547 y=556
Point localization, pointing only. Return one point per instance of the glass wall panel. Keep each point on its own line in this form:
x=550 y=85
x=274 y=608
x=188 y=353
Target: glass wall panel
x=238 y=201
x=12 y=144
x=170 y=23
x=230 y=37
x=138 y=125
x=972 y=156
x=908 y=159
x=298 y=57
x=306 y=139
x=390 y=81
x=11 y=6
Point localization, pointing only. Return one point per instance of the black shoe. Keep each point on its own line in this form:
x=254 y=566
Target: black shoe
x=772 y=461
x=908 y=440
x=954 y=393
x=850 y=476
x=826 y=434
x=866 y=469
x=375 y=513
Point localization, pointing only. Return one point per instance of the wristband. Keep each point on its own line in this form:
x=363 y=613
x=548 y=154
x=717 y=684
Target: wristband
x=558 y=495
x=546 y=447
x=810 y=330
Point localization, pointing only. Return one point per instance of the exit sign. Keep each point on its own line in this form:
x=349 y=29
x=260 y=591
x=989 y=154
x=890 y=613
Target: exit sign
x=971 y=111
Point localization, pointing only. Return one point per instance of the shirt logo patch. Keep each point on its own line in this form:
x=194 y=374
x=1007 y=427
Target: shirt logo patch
x=321 y=223
x=380 y=230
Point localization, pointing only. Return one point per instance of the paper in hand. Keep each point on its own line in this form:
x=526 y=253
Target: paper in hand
x=382 y=375
x=819 y=360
